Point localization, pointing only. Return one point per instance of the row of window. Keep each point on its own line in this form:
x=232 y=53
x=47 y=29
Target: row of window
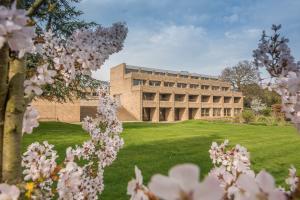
x=178 y=85
x=149 y=96
x=168 y=74
x=164 y=113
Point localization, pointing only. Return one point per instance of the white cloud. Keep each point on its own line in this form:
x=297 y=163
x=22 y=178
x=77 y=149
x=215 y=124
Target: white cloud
x=188 y=48
x=232 y=18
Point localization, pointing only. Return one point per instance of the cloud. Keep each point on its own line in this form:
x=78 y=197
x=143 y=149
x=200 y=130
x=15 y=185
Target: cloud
x=232 y=18
x=197 y=35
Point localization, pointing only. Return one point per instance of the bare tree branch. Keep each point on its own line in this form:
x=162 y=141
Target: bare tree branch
x=35 y=6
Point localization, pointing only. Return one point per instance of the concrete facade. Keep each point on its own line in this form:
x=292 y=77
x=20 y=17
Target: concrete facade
x=147 y=94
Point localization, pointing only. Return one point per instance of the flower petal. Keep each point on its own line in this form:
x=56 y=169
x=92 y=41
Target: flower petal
x=164 y=187
x=209 y=189
x=265 y=181
x=187 y=176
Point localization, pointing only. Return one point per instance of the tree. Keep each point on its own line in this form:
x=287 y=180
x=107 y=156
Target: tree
x=34 y=61
x=243 y=73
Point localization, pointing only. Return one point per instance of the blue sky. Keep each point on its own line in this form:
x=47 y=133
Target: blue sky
x=202 y=36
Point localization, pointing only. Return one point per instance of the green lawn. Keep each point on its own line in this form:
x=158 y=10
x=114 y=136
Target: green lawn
x=154 y=148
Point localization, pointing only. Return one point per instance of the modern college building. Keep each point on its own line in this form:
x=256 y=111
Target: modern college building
x=147 y=94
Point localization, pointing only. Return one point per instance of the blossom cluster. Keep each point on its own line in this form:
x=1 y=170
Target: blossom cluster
x=274 y=55
x=14 y=30
x=64 y=59
x=39 y=167
x=231 y=178
x=257 y=105
x=80 y=176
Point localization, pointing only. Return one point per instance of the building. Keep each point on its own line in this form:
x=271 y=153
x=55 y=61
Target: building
x=147 y=94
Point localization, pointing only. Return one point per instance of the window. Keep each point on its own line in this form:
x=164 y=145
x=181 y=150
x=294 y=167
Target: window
x=127 y=71
x=159 y=73
x=225 y=89
x=148 y=96
x=216 y=99
x=193 y=98
x=194 y=86
x=237 y=99
x=169 y=84
x=227 y=112
x=194 y=77
x=164 y=97
x=173 y=75
x=204 y=87
x=216 y=112
x=205 y=112
x=154 y=83
x=181 y=85
x=237 y=111
x=205 y=98
x=179 y=97
x=204 y=78
x=183 y=76
x=217 y=88
x=227 y=99
x=94 y=94
x=146 y=72
x=139 y=82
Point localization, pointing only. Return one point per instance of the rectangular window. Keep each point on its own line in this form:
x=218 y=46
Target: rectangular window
x=169 y=84
x=159 y=73
x=204 y=87
x=237 y=111
x=216 y=99
x=173 y=75
x=237 y=99
x=194 y=86
x=216 y=88
x=148 y=96
x=227 y=112
x=225 y=89
x=193 y=98
x=164 y=97
x=127 y=71
x=138 y=82
x=216 y=112
x=227 y=99
x=181 y=85
x=154 y=83
x=205 y=98
x=194 y=77
x=146 y=72
x=205 y=112
x=183 y=76
x=179 y=97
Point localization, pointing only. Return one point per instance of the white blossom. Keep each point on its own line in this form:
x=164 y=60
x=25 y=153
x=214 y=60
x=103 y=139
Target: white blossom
x=9 y=192
x=14 y=30
x=30 y=119
x=292 y=179
x=183 y=183
x=135 y=187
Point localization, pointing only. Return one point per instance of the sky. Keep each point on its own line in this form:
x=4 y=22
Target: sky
x=201 y=36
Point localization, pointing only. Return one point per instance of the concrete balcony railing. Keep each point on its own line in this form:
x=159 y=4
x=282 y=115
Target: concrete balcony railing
x=166 y=104
x=180 y=104
x=150 y=103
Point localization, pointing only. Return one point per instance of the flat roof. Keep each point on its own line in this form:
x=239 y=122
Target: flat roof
x=184 y=73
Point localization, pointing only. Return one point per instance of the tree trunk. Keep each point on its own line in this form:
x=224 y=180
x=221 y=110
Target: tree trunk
x=4 y=59
x=14 y=112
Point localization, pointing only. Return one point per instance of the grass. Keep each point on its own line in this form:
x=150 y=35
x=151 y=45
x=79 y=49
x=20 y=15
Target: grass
x=154 y=148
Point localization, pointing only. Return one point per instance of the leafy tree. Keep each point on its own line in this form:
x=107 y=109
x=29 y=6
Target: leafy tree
x=243 y=73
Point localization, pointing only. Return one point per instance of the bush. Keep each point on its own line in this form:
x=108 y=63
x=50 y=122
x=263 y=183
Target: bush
x=262 y=119
x=266 y=112
x=248 y=116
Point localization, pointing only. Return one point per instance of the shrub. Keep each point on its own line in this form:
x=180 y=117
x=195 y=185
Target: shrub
x=248 y=116
x=266 y=112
